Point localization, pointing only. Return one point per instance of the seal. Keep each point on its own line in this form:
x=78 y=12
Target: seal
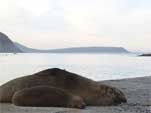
x=92 y=92
x=45 y=96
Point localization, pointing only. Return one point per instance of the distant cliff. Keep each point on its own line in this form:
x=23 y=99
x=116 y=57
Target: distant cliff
x=6 y=45
x=75 y=49
x=27 y=49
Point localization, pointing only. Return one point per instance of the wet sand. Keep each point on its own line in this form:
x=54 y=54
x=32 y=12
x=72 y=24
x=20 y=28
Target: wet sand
x=137 y=91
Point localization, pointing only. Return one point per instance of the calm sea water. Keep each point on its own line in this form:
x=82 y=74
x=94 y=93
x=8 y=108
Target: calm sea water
x=94 y=66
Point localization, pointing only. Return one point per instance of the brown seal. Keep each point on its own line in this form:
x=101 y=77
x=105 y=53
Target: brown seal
x=45 y=96
x=92 y=92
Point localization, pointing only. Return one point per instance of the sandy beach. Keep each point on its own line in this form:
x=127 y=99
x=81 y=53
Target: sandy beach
x=137 y=91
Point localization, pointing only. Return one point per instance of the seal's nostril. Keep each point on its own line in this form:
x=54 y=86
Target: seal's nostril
x=120 y=100
x=124 y=100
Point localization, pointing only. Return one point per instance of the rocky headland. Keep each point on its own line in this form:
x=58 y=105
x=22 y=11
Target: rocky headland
x=6 y=45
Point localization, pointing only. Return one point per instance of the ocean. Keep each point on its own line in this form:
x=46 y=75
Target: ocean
x=94 y=66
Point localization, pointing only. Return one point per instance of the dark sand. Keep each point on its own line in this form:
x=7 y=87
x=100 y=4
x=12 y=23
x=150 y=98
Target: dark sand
x=137 y=90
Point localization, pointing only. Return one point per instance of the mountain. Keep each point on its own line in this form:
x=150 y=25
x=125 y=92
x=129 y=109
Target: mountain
x=6 y=45
x=75 y=49
x=91 y=50
x=27 y=49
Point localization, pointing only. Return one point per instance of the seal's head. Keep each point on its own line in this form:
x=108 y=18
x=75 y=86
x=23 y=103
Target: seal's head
x=76 y=102
x=117 y=95
x=104 y=95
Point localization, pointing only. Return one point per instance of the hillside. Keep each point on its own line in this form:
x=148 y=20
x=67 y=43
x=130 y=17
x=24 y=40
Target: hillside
x=6 y=45
x=75 y=49
x=91 y=50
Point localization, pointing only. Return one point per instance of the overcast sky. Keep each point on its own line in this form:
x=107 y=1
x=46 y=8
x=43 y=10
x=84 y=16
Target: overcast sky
x=71 y=23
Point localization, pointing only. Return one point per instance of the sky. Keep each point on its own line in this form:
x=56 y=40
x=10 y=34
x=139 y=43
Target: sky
x=51 y=24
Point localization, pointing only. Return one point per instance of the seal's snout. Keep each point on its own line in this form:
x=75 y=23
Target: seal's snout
x=120 y=100
x=123 y=100
x=120 y=97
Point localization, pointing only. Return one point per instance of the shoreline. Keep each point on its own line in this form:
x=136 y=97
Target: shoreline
x=137 y=91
